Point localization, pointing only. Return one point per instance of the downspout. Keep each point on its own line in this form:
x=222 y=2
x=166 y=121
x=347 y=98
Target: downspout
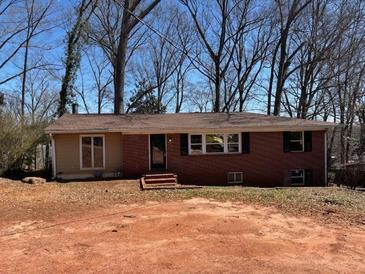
x=325 y=160
x=53 y=144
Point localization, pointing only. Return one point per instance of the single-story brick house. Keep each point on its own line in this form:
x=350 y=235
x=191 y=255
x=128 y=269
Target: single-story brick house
x=201 y=148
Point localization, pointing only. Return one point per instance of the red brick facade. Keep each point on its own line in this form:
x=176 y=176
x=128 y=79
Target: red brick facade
x=266 y=164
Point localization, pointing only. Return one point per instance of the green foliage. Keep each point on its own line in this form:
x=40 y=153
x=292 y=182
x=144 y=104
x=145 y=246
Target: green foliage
x=18 y=143
x=144 y=101
x=72 y=63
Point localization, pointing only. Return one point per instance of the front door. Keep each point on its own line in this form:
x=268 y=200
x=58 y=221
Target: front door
x=158 y=151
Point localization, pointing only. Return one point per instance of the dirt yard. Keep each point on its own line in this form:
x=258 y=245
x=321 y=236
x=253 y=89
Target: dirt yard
x=113 y=227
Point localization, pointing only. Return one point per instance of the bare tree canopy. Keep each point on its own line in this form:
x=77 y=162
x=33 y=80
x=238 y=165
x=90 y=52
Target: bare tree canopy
x=301 y=59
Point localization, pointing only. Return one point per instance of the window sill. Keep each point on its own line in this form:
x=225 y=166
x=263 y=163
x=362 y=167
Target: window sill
x=92 y=168
x=299 y=184
x=216 y=154
x=296 y=151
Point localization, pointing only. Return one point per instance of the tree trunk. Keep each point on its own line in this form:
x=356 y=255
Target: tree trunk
x=177 y=106
x=271 y=82
x=24 y=79
x=241 y=99
x=217 y=90
x=281 y=76
x=342 y=137
x=119 y=74
x=99 y=101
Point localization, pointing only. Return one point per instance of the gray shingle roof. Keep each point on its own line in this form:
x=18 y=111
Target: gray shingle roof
x=180 y=123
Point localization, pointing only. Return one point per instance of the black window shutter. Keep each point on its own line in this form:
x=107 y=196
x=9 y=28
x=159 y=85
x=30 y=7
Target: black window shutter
x=184 y=144
x=308 y=176
x=307 y=140
x=245 y=142
x=286 y=141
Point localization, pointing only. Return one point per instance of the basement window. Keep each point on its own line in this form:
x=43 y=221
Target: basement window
x=92 y=152
x=235 y=177
x=297 y=177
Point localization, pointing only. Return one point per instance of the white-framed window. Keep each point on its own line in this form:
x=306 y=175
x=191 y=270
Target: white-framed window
x=214 y=143
x=297 y=177
x=233 y=143
x=92 y=152
x=196 y=144
x=235 y=177
x=296 y=141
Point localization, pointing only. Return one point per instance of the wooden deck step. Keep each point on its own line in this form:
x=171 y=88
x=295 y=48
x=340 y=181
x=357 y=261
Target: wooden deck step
x=161 y=175
x=160 y=181
x=161 y=187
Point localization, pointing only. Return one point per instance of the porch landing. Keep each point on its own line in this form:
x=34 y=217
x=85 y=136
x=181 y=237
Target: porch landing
x=162 y=181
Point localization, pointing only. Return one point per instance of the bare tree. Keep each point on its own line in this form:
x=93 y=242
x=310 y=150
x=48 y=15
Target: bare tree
x=285 y=50
x=16 y=30
x=250 y=54
x=180 y=83
x=348 y=81
x=36 y=16
x=114 y=25
x=324 y=26
x=41 y=97
x=361 y=117
x=102 y=78
x=219 y=27
x=161 y=58
x=96 y=88
x=73 y=51
x=199 y=99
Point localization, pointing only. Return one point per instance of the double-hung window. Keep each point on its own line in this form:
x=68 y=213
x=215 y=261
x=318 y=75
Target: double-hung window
x=296 y=141
x=196 y=144
x=92 y=152
x=214 y=143
x=233 y=143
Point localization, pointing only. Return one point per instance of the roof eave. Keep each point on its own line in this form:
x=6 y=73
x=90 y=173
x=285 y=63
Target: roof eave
x=197 y=130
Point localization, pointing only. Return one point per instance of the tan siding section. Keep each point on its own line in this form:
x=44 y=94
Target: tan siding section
x=68 y=154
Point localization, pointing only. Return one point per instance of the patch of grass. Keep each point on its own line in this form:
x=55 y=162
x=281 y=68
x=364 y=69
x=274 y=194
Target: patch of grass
x=332 y=204
x=329 y=203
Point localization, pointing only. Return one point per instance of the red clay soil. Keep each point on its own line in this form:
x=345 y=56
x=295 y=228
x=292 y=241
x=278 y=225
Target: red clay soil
x=181 y=237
